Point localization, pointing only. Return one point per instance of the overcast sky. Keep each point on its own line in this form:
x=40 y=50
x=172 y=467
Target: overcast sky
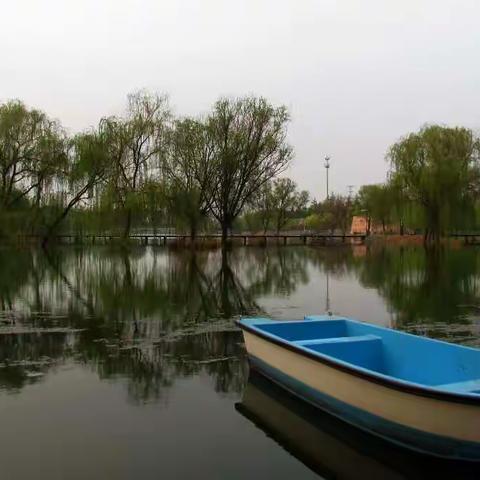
x=356 y=75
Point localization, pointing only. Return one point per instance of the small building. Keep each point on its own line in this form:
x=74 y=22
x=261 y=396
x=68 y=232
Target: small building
x=359 y=225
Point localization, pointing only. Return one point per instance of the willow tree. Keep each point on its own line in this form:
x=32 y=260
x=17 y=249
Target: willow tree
x=377 y=202
x=250 y=148
x=286 y=201
x=137 y=144
x=190 y=172
x=32 y=149
x=438 y=168
x=88 y=165
x=277 y=201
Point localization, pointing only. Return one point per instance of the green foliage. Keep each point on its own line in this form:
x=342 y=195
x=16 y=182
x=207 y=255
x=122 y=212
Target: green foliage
x=139 y=169
x=277 y=202
x=87 y=166
x=249 y=148
x=377 y=202
x=314 y=222
x=262 y=208
x=335 y=213
x=33 y=153
x=190 y=172
x=437 y=168
x=145 y=169
x=137 y=146
x=287 y=200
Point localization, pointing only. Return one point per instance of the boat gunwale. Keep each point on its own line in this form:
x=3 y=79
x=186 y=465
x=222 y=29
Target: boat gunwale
x=369 y=375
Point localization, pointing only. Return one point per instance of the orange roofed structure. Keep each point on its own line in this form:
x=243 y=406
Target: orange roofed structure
x=359 y=225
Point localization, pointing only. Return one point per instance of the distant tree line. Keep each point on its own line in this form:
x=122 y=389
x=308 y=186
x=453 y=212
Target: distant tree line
x=277 y=205
x=148 y=169
x=432 y=187
x=433 y=183
x=144 y=169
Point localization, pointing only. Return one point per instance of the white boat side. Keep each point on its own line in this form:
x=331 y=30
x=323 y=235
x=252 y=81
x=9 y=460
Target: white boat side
x=452 y=426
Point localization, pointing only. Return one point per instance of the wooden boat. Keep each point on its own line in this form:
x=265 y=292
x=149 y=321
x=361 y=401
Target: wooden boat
x=420 y=393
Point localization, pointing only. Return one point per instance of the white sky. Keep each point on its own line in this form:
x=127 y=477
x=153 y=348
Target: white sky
x=355 y=74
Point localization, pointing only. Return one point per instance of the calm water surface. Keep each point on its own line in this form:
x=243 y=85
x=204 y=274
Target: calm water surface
x=129 y=365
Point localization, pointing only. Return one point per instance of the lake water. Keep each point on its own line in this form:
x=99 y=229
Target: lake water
x=129 y=365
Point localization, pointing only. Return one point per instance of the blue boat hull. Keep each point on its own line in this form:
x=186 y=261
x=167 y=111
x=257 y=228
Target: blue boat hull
x=345 y=368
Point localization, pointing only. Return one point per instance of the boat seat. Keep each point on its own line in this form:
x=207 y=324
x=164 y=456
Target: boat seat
x=319 y=341
x=467 y=386
x=361 y=350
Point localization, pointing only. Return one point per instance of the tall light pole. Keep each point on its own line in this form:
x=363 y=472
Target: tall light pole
x=327 y=166
x=350 y=191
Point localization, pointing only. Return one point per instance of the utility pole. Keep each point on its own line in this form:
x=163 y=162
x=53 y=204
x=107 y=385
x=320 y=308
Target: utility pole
x=327 y=166
x=350 y=191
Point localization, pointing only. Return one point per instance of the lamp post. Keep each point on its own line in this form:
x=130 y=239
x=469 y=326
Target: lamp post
x=327 y=166
x=350 y=191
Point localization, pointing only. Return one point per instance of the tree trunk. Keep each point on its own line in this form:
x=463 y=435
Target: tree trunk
x=432 y=233
x=128 y=224
x=56 y=223
x=279 y=224
x=224 y=233
x=265 y=223
x=193 y=232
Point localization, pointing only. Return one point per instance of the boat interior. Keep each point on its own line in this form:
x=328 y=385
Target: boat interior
x=409 y=358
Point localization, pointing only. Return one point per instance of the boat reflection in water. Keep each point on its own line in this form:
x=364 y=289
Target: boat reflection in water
x=331 y=447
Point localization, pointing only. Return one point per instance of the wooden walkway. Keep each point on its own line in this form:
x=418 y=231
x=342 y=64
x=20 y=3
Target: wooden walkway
x=245 y=239
x=468 y=238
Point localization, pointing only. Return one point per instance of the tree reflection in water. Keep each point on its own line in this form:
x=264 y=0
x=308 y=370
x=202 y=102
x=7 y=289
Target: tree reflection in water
x=149 y=316
x=152 y=315
x=434 y=292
